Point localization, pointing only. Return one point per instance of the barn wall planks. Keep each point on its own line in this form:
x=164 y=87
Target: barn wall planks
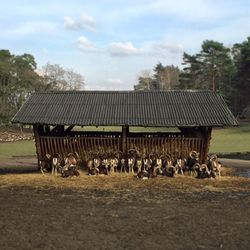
x=84 y=146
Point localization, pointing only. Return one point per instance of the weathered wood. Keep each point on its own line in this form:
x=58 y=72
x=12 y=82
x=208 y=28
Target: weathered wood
x=173 y=145
x=59 y=129
x=37 y=142
x=207 y=131
x=69 y=128
x=125 y=131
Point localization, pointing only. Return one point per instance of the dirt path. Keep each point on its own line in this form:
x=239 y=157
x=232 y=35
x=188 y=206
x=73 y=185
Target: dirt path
x=235 y=163
x=19 y=162
x=18 y=165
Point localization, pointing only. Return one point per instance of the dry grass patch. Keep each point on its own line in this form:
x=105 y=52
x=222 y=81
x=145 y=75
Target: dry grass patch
x=125 y=182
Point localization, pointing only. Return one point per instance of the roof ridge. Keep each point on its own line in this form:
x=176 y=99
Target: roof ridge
x=123 y=91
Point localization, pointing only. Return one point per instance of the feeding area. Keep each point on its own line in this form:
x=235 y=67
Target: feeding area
x=56 y=115
x=120 y=210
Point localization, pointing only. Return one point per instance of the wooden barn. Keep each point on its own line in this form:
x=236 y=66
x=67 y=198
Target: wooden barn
x=61 y=121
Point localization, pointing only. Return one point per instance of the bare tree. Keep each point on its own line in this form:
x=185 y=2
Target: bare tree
x=57 y=78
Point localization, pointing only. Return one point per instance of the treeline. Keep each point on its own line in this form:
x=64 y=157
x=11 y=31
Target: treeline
x=216 y=67
x=19 y=78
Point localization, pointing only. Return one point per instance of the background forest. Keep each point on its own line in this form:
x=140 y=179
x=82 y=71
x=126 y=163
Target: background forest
x=215 y=67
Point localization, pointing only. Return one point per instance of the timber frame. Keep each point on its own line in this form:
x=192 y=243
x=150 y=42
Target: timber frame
x=63 y=141
x=57 y=116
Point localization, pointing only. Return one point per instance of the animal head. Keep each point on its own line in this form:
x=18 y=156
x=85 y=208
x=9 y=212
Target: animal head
x=130 y=160
x=55 y=161
x=180 y=162
x=194 y=155
x=197 y=166
x=158 y=162
x=48 y=156
x=213 y=158
x=169 y=162
x=204 y=167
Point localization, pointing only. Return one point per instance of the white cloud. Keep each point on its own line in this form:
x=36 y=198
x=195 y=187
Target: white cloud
x=123 y=49
x=85 y=45
x=165 y=47
x=84 y=22
x=69 y=23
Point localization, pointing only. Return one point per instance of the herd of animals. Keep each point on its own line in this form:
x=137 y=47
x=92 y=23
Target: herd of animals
x=141 y=166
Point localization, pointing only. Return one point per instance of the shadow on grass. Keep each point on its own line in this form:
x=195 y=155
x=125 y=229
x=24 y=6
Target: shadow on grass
x=18 y=170
x=235 y=155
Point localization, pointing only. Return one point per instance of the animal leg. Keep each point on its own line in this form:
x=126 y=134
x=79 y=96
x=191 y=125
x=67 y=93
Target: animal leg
x=41 y=169
x=182 y=171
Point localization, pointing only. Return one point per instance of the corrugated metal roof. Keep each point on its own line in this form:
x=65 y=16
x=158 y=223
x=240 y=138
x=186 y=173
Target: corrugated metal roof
x=134 y=108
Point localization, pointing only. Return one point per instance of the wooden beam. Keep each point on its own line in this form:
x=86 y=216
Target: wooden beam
x=207 y=131
x=57 y=129
x=69 y=128
x=36 y=129
x=125 y=131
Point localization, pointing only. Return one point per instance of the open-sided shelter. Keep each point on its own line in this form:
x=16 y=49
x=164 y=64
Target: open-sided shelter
x=55 y=114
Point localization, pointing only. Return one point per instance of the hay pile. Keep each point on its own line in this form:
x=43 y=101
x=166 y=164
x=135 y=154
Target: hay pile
x=124 y=182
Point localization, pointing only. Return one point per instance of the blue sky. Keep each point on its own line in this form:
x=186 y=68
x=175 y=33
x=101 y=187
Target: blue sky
x=110 y=42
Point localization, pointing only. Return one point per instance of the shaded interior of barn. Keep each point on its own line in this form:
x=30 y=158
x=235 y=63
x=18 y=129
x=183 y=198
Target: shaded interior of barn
x=90 y=140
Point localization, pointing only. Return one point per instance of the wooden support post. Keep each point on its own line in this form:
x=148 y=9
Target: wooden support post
x=37 y=142
x=207 y=131
x=125 y=131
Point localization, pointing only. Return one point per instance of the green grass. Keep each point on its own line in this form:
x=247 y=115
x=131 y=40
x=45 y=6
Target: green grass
x=119 y=129
x=8 y=149
x=227 y=140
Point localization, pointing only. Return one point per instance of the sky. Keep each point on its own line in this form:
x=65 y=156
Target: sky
x=110 y=42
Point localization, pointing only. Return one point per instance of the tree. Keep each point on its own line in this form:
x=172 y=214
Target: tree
x=212 y=68
x=56 y=77
x=241 y=56
x=190 y=77
x=164 y=78
x=75 y=81
x=25 y=80
x=145 y=81
x=217 y=66
x=18 y=80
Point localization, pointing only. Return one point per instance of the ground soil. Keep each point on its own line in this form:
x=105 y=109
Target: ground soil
x=120 y=211
x=123 y=212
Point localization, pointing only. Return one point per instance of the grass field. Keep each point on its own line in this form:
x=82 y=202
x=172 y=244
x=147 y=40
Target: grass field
x=231 y=140
x=226 y=140
x=9 y=149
